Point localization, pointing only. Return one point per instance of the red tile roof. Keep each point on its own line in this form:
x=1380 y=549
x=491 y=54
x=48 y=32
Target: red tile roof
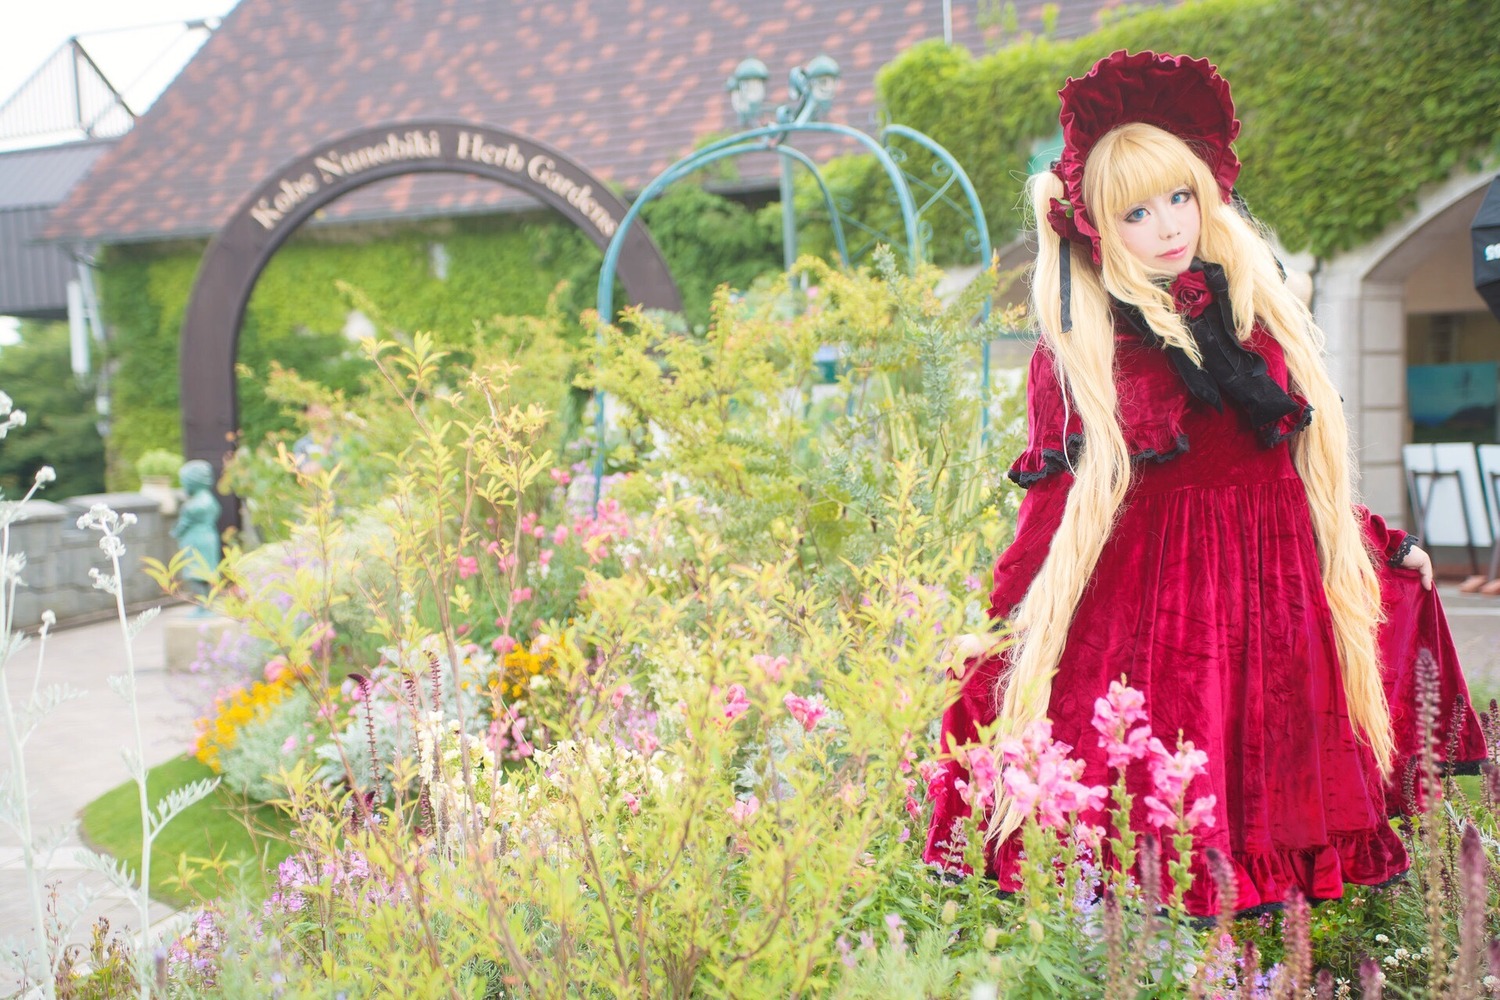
x=624 y=86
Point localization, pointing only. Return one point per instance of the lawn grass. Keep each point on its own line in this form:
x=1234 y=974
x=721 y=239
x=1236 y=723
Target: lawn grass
x=1479 y=695
x=220 y=844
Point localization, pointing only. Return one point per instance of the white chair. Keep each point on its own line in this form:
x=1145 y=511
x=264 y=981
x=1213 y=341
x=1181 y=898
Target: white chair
x=1448 y=497
x=1489 y=472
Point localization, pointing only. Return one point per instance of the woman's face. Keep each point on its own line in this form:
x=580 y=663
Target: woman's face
x=1162 y=231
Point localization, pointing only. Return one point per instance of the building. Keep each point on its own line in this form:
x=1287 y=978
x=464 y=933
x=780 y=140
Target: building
x=627 y=88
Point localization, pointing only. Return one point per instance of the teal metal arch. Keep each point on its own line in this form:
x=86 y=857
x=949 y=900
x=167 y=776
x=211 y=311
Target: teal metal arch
x=738 y=145
x=771 y=139
x=950 y=172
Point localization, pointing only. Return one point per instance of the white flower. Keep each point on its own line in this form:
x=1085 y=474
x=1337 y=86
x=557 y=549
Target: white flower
x=48 y=618
x=5 y=404
x=18 y=418
x=97 y=517
x=46 y=474
x=107 y=582
x=101 y=518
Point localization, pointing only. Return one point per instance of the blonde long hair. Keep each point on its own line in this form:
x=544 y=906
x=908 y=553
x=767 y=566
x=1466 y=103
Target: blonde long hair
x=1133 y=162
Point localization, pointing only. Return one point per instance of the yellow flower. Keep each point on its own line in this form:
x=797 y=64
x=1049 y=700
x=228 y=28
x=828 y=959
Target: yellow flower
x=232 y=712
x=518 y=667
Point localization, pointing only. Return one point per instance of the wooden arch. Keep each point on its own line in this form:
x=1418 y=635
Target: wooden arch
x=268 y=217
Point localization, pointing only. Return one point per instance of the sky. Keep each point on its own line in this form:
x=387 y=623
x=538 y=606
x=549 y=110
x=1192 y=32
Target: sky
x=31 y=30
x=140 y=46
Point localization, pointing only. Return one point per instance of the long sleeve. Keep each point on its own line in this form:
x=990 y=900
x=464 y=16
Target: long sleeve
x=1391 y=543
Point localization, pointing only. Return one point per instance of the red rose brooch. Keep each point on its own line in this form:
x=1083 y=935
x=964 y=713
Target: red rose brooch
x=1191 y=294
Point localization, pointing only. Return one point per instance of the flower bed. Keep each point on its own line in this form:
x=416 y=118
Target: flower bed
x=675 y=745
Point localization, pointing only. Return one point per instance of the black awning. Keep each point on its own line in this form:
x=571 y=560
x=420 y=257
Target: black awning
x=1485 y=235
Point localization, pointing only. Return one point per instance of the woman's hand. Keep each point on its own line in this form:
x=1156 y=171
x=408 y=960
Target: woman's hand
x=967 y=647
x=1421 y=562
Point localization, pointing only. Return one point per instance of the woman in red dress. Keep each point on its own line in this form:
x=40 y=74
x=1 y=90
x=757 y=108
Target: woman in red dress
x=1189 y=522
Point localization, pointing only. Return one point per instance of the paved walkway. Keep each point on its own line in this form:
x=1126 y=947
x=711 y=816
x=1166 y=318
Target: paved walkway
x=75 y=756
x=1475 y=622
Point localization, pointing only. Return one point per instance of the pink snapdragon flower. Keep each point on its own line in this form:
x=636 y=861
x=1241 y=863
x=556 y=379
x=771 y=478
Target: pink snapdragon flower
x=983 y=774
x=561 y=477
x=771 y=666
x=743 y=809
x=1171 y=774
x=520 y=595
x=1035 y=741
x=895 y=928
x=913 y=809
x=736 y=703
x=1115 y=718
x=599 y=530
x=506 y=561
x=808 y=711
x=645 y=741
x=507 y=735
x=322 y=634
x=467 y=566
x=1201 y=813
x=1040 y=777
x=1121 y=705
x=1159 y=813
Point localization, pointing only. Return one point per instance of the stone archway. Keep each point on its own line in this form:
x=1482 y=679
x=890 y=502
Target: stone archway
x=1361 y=303
x=268 y=217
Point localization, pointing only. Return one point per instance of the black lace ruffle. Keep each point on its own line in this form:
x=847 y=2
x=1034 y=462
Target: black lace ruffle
x=1402 y=551
x=1273 y=434
x=1054 y=461
x=1179 y=446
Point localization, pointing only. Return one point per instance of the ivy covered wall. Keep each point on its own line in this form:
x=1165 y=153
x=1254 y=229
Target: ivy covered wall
x=505 y=265
x=1349 y=107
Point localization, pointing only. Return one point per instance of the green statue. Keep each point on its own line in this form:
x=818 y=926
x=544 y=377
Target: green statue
x=197 y=526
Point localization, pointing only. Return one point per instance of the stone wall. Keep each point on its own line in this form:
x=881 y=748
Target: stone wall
x=59 y=555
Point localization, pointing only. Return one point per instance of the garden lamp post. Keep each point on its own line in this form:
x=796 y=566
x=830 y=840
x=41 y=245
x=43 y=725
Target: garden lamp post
x=747 y=90
x=822 y=83
x=810 y=91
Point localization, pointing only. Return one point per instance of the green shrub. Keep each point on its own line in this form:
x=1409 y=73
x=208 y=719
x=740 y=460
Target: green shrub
x=506 y=266
x=1350 y=107
x=158 y=462
x=63 y=423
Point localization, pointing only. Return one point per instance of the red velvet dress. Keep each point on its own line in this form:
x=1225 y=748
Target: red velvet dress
x=1208 y=597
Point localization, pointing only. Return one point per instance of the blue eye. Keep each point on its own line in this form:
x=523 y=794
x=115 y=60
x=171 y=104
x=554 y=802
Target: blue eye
x=1135 y=215
x=1180 y=197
